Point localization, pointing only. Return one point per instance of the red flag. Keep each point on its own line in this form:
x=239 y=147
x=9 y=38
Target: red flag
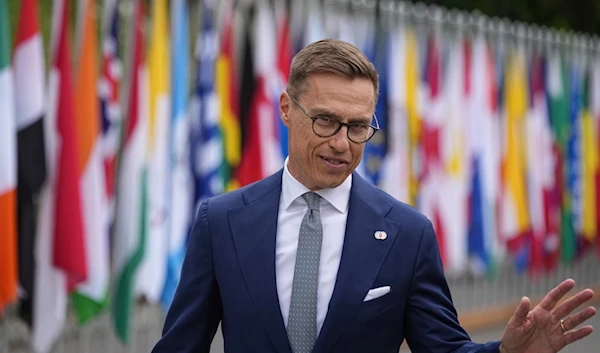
x=250 y=169
x=69 y=251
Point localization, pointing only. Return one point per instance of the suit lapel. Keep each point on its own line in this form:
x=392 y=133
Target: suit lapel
x=362 y=258
x=254 y=228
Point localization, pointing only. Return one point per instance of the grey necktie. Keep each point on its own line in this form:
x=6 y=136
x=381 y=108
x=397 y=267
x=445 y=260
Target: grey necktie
x=302 y=320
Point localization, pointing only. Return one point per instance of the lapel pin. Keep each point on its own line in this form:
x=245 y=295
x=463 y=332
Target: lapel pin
x=380 y=235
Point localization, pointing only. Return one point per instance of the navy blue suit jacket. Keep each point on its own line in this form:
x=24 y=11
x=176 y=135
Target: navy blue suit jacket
x=228 y=276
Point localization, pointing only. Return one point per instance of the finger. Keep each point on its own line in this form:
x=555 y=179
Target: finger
x=556 y=294
x=573 y=303
x=521 y=312
x=576 y=335
x=577 y=319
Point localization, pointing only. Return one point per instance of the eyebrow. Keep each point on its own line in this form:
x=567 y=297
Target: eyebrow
x=320 y=111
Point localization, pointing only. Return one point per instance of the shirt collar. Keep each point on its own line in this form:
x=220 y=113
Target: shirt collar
x=338 y=197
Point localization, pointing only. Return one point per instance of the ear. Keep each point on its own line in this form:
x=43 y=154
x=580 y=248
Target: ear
x=284 y=108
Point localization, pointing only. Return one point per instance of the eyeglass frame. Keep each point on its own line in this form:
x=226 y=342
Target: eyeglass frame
x=340 y=124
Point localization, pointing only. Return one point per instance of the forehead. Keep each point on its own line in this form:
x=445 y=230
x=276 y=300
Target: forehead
x=347 y=98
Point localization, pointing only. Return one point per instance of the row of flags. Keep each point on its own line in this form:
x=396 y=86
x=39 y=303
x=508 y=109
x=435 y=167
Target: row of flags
x=107 y=153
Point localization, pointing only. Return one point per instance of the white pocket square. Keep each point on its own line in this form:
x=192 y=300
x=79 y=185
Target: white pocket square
x=376 y=293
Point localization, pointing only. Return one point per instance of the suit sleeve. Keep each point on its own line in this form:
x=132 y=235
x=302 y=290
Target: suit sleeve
x=196 y=310
x=431 y=323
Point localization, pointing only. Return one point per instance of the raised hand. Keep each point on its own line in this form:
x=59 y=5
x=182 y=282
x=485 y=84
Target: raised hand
x=546 y=329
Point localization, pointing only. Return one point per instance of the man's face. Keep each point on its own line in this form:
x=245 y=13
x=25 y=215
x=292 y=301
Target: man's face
x=325 y=162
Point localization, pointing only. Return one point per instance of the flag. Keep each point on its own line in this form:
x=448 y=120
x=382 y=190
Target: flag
x=261 y=151
x=595 y=108
x=365 y=36
x=90 y=297
x=245 y=172
x=181 y=179
x=109 y=84
x=431 y=175
x=559 y=115
x=226 y=85
x=573 y=165
x=413 y=111
x=395 y=175
x=60 y=249
x=284 y=60
x=540 y=167
x=130 y=222
x=376 y=147
x=481 y=172
x=265 y=102
x=29 y=83
x=589 y=166
x=207 y=146
x=151 y=280
x=514 y=223
x=8 y=172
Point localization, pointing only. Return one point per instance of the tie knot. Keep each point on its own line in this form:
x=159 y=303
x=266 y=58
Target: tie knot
x=312 y=200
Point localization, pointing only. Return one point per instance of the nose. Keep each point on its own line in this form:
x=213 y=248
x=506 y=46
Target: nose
x=339 y=142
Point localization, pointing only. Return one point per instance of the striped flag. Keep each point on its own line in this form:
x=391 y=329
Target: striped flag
x=151 y=280
x=206 y=149
x=60 y=248
x=29 y=83
x=109 y=92
x=8 y=172
x=226 y=86
x=181 y=179
x=130 y=222
x=90 y=296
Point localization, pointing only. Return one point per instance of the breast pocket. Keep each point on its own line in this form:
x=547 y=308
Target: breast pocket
x=377 y=306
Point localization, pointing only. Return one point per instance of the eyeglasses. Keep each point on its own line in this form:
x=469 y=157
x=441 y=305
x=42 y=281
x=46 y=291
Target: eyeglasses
x=326 y=126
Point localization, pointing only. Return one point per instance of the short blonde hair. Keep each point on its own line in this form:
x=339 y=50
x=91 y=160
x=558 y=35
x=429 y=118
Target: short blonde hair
x=330 y=56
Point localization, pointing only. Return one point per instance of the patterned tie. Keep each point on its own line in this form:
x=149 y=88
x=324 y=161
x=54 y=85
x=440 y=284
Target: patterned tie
x=302 y=320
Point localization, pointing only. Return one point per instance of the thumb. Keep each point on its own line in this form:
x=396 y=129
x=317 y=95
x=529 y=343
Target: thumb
x=522 y=311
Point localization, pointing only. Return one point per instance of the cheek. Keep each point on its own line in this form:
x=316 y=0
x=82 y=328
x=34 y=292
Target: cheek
x=357 y=153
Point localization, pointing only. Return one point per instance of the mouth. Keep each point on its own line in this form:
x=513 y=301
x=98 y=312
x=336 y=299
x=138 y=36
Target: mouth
x=334 y=163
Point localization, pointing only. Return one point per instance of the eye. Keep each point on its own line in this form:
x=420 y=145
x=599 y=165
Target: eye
x=325 y=120
x=358 y=127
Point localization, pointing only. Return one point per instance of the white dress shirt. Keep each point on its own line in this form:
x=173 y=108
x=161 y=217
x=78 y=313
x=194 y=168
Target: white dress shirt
x=292 y=207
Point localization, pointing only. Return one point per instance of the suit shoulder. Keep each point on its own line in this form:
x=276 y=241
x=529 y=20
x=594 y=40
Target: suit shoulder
x=227 y=200
x=245 y=195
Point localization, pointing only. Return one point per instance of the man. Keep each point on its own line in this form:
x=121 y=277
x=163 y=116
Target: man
x=315 y=259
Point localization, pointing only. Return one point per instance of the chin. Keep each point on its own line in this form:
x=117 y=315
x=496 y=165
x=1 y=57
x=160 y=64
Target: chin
x=330 y=183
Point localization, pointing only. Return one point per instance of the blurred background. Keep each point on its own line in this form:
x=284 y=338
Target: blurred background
x=119 y=117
